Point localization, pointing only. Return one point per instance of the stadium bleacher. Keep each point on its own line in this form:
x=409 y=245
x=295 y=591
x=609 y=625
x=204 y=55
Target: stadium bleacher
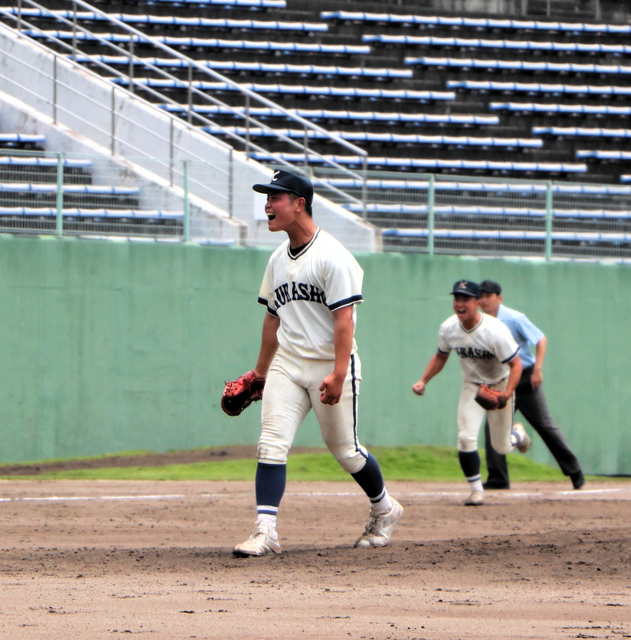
x=29 y=186
x=311 y=36
x=388 y=138
x=263 y=68
x=408 y=119
x=561 y=109
x=479 y=24
x=512 y=45
x=522 y=66
x=374 y=79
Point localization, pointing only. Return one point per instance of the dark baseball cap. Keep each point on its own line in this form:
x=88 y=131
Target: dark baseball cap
x=490 y=286
x=286 y=181
x=466 y=288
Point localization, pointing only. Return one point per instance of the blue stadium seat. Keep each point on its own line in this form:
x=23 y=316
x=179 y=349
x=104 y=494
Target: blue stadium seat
x=394 y=138
x=619 y=156
x=21 y=138
x=535 y=87
x=136 y=214
x=477 y=23
x=570 y=109
x=23 y=161
x=420 y=163
x=290 y=89
x=518 y=65
x=256 y=67
x=87 y=189
x=517 y=45
x=211 y=43
x=253 y=4
x=585 y=132
x=406 y=209
x=472 y=234
x=487 y=187
x=625 y=178
x=177 y=21
x=324 y=114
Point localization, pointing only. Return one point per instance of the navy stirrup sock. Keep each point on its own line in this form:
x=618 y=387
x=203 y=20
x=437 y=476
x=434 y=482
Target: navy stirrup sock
x=370 y=479
x=470 y=463
x=270 y=486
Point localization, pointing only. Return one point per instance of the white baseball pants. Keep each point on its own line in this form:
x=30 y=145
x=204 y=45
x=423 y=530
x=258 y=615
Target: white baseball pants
x=471 y=417
x=292 y=388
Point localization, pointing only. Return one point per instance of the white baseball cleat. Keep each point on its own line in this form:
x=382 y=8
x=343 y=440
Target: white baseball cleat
x=525 y=443
x=475 y=499
x=380 y=527
x=263 y=540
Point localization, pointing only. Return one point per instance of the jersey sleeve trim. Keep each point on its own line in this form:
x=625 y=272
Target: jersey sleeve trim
x=445 y=353
x=512 y=356
x=271 y=311
x=347 y=301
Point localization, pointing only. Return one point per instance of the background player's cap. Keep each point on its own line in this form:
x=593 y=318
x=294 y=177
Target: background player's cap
x=466 y=288
x=490 y=286
x=286 y=181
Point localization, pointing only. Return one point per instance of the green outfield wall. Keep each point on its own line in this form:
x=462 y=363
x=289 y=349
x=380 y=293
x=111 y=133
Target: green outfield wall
x=111 y=346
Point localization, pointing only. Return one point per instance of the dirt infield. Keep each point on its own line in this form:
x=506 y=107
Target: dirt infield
x=97 y=559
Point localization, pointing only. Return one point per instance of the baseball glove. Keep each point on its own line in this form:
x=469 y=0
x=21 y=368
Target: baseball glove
x=490 y=399
x=241 y=393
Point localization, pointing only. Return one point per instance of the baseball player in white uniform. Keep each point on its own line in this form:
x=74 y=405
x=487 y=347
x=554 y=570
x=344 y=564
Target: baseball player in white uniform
x=488 y=355
x=308 y=356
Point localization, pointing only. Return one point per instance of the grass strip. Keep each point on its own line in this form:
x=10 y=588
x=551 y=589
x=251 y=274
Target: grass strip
x=414 y=463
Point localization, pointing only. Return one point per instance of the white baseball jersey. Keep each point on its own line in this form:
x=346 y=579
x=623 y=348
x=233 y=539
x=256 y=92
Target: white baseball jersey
x=484 y=350
x=304 y=289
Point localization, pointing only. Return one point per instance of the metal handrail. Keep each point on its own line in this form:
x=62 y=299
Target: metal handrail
x=138 y=36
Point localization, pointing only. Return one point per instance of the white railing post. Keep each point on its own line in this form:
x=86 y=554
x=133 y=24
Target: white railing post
x=74 y=31
x=187 y=208
x=549 y=220
x=55 y=89
x=113 y=125
x=60 y=195
x=430 y=214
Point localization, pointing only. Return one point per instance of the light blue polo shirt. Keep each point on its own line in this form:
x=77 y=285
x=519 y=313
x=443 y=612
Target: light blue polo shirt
x=525 y=333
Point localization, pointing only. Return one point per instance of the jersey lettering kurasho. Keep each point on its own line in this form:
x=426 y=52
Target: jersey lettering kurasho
x=484 y=350
x=303 y=291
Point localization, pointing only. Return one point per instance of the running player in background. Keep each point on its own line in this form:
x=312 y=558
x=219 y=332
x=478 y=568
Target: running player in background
x=308 y=354
x=529 y=396
x=488 y=355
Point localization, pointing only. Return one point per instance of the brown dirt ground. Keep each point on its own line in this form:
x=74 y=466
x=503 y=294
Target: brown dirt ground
x=101 y=558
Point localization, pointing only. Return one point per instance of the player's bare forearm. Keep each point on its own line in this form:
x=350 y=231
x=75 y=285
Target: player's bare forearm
x=513 y=376
x=343 y=330
x=434 y=367
x=269 y=345
x=536 y=379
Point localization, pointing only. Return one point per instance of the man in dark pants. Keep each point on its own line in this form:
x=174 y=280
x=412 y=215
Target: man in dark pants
x=529 y=396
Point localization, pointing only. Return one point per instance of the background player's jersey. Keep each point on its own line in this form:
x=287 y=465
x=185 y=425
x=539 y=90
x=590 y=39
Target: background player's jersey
x=304 y=289
x=483 y=350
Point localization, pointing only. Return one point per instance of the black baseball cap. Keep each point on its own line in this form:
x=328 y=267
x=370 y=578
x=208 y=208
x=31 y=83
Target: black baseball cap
x=490 y=286
x=466 y=288
x=286 y=181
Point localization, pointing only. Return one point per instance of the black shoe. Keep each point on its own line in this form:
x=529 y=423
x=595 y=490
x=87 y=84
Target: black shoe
x=578 y=479
x=495 y=484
